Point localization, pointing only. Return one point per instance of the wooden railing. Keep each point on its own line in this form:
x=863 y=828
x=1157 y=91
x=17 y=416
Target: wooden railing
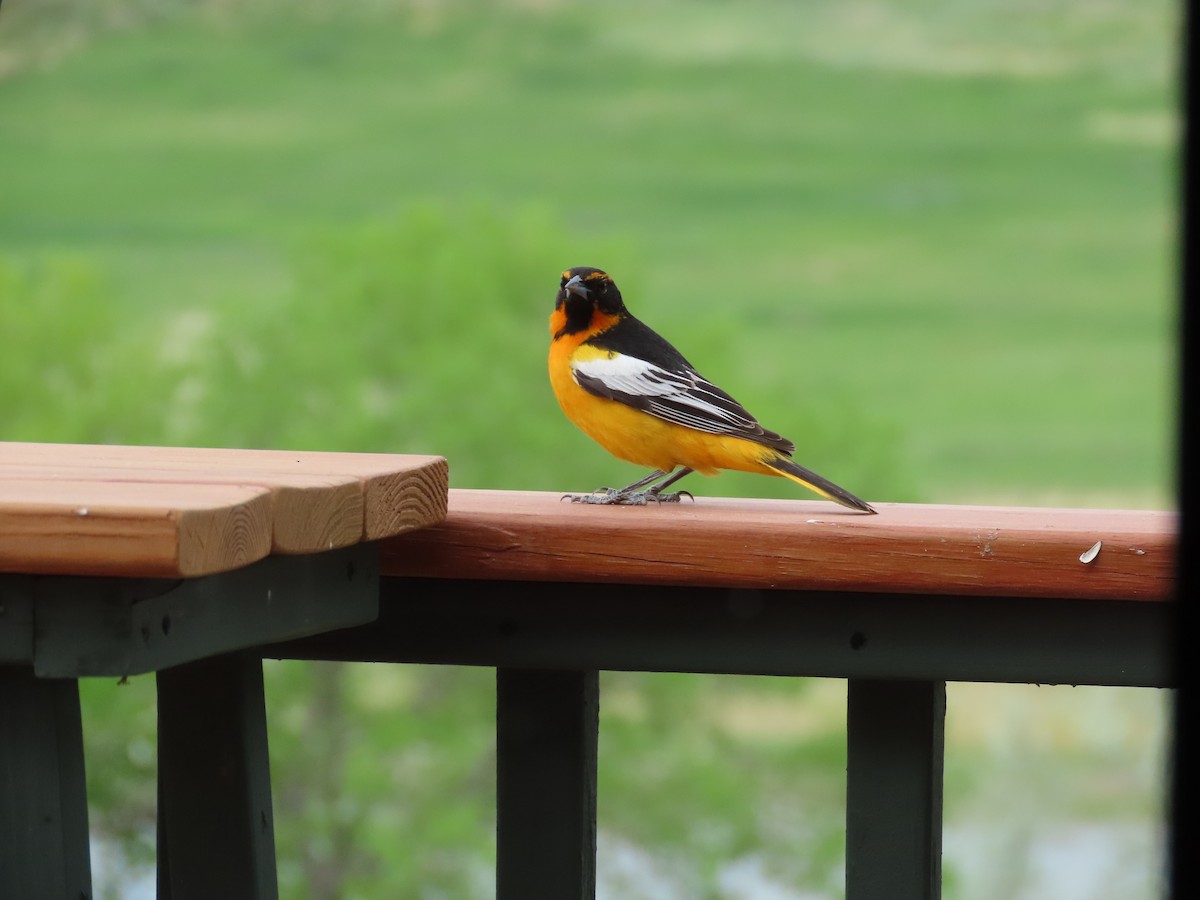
x=550 y=593
x=114 y=563
x=117 y=561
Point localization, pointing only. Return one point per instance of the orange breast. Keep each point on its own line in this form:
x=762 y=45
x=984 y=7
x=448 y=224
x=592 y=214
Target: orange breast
x=638 y=437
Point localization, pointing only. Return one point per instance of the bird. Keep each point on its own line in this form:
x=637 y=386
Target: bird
x=631 y=391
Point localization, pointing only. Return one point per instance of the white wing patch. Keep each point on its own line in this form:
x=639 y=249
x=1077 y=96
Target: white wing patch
x=629 y=375
x=684 y=397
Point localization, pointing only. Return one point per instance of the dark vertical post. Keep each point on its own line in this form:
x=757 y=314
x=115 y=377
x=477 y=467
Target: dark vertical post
x=1183 y=875
x=895 y=733
x=216 y=835
x=546 y=729
x=43 y=794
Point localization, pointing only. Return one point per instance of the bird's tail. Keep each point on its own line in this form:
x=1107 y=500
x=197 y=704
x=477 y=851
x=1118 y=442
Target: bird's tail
x=814 y=482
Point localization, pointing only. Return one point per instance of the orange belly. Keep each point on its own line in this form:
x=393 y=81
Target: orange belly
x=641 y=438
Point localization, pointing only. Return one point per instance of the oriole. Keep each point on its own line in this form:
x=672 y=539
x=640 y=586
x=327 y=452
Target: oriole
x=634 y=394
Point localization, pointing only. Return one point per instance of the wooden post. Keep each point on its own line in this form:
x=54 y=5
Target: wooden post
x=215 y=827
x=43 y=795
x=546 y=730
x=895 y=735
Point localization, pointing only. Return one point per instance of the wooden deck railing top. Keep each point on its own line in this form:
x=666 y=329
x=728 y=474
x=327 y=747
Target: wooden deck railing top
x=177 y=512
x=712 y=542
x=171 y=512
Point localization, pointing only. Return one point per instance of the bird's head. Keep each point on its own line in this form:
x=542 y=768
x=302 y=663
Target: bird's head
x=587 y=299
x=583 y=289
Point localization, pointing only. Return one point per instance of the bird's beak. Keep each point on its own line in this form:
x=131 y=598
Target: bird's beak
x=576 y=286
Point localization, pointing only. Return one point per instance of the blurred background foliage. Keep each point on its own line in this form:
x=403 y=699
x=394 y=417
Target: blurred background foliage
x=930 y=241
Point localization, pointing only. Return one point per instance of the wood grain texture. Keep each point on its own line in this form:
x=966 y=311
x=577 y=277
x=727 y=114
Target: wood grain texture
x=141 y=530
x=314 y=501
x=308 y=512
x=716 y=542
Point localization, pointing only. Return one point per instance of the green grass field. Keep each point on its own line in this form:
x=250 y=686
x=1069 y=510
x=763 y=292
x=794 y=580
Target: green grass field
x=932 y=242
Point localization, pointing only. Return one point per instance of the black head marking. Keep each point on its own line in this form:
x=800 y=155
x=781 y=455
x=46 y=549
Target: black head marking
x=593 y=285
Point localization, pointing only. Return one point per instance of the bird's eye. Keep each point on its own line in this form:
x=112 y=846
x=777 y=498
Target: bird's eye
x=563 y=283
x=601 y=286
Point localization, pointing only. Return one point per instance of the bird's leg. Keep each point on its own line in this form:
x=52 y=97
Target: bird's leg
x=655 y=493
x=630 y=494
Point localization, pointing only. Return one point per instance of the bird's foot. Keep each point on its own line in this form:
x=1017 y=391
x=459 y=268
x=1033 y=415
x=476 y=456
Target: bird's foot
x=672 y=497
x=609 y=497
x=614 y=497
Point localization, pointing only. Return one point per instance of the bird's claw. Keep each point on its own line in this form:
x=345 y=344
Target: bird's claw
x=608 y=497
x=612 y=497
x=673 y=497
x=596 y=496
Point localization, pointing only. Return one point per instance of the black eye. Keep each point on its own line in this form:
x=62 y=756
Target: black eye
x=601 y=286
x=563 y=283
